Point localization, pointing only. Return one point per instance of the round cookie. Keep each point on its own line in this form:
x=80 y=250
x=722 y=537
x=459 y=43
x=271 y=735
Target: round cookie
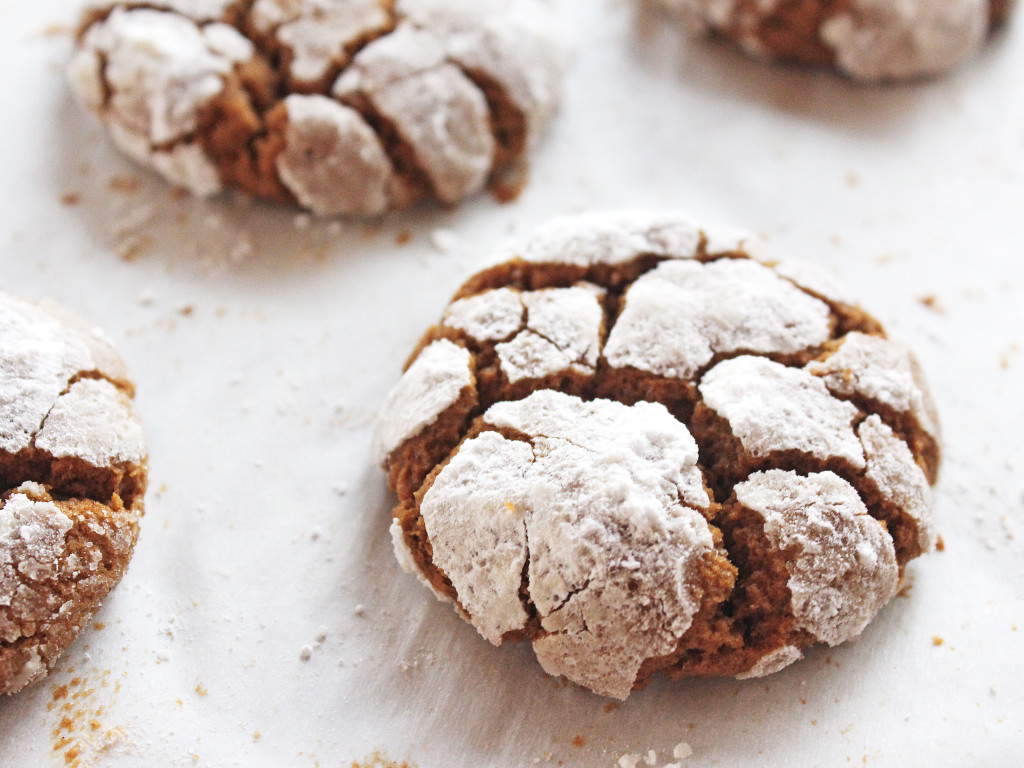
x=343 y=107
x=72 y=479
x=644 y=450
x=867 y=40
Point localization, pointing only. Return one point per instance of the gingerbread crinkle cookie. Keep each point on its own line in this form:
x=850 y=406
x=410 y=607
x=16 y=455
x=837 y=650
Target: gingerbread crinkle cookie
x=343 y=107
x=867 y=40
x=642 y=449
x=72 y=479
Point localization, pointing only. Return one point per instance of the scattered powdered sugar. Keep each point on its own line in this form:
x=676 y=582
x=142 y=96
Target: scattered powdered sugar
x=841 y=561
x=432 y=384
x=678 y=316
x=773 y=408
x=603 y=501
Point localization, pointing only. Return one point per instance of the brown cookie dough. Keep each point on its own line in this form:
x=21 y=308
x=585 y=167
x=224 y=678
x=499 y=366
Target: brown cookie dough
x=867 y=40
x=72 y=479
x=343 y=107
x=644 y=450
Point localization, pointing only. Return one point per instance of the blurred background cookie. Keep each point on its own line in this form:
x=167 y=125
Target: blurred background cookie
x=72 y=479
x=868 y=40
x=343 y=107
x=642 y=449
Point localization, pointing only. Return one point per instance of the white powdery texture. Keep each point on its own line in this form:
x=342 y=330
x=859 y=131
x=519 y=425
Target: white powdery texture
x=881 y=371
x=601 y=500
x=424 y=70
x=41 y=352
x=841 y=561
x=541 y=332
x=149 y=74
x=772 y=408
x=871 y=40
x=678 y=316
x=433 y=383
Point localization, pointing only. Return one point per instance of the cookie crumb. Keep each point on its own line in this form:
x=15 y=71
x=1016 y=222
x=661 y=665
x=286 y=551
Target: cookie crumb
x=126 y=185
x=931 y=302
x=306 y=653
x=936 y=640
x=359 y=610
x=577 y=741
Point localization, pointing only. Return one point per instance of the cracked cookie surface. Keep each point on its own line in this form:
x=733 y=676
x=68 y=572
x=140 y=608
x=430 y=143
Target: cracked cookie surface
x=72 y=479
x=642 y=449
x=342 y=107
x=867 y=40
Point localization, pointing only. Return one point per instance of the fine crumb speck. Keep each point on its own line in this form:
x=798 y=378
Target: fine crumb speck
x=306 y=653
x=360 y=610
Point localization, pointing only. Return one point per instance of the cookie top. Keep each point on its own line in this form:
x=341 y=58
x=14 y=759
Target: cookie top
x=643 y=449
x=343 y=107
x=72 y=479
x=867 y=40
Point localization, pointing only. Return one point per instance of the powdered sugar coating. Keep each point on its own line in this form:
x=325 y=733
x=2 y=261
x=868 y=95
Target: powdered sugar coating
x=333 y=162
x=149 y=74
x=432 y=384
x=867 y=40
x=489 y=316
x=66 y=420
x=589 y=239
x=613 y=565
x=96 y=422
x=772 y=662
x=882 y=40
x=841 y=562
x=40 y=355
x=898 y=478
x=432 y=104
x=513 y=43
x=318 y=33
x=772 y=408
x=521 y=504
x=440 y=97
x=678 y=316
x=882 y=371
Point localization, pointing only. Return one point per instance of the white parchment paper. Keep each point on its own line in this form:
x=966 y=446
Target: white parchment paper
x=264 y=622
